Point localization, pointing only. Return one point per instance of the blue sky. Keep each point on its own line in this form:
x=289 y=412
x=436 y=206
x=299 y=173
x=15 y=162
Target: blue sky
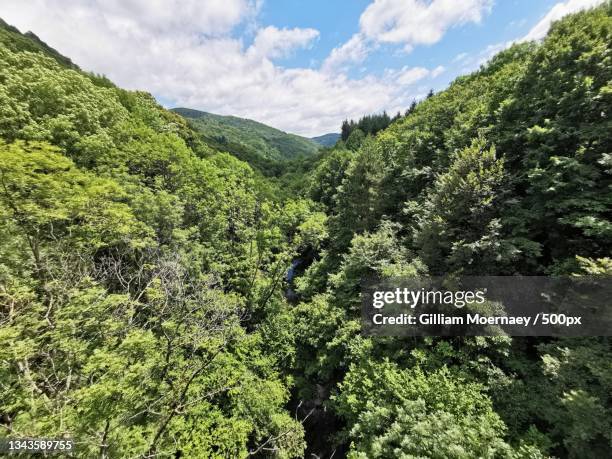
x=337 y=21
x=301 y=66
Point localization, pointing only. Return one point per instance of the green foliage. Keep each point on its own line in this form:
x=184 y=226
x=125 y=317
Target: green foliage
x=578 y=377
x=554 y=131
x=458 y=226
x=358 y=196
x=136 y=271
x=407 y=413
x=14 y=40
x=143 y=264
x=368 y=125
x=247 y=136
x=326 y=140
x=355 y=140
x=328 y=176
x=505 y=172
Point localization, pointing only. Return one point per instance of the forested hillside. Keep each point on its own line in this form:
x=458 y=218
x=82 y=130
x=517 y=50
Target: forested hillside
x=140 y=275
x=508 y=171
x=327 y=140
x=143 y=269
x=246 y=138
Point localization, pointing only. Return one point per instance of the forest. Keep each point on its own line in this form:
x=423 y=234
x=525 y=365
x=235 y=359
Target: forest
x=144 y=288
x=248 y=138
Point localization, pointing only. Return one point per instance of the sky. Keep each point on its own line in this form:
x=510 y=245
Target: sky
x=300 y=66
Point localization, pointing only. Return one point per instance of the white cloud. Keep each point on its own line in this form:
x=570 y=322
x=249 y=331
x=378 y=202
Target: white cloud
x=209 y=17
x=186 y=53
x=408 y=76
x=272 y=42
x=416 y=22
x=460 y=57
x=406 y=22
x=560 y=9
x=353 y=51
x=439 y=70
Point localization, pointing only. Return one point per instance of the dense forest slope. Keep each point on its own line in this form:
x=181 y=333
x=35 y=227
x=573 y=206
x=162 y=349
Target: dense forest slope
x=139 y=274
x=508 y=171
x=142 y=270
x=327 y=140
x=247 y=138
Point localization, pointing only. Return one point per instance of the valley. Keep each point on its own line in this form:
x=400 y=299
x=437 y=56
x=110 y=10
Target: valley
x=176 y=283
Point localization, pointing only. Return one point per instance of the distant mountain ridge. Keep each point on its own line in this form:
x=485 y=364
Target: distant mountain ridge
x=327 y=140
x=247 y=138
